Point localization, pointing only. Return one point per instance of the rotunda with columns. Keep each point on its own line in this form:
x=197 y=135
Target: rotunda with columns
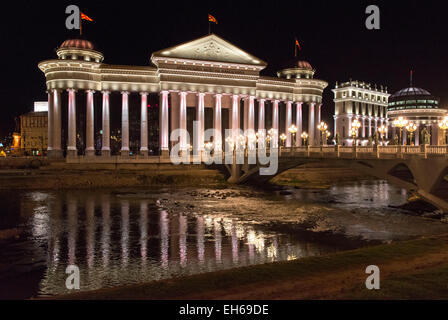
x=420 y=107
x=208 y=80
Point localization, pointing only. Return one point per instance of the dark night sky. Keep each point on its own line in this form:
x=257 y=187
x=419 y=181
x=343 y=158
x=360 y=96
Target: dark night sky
x=332 y=34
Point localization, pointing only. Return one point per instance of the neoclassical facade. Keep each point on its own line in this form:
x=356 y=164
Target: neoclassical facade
x=208 y=80
x=357 y=100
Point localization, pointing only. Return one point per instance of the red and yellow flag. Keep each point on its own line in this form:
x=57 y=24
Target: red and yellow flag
x=212 y=19
x=298 y=44
x=84 y=17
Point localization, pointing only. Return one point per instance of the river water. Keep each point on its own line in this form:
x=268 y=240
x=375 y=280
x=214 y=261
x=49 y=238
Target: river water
x=121 y=237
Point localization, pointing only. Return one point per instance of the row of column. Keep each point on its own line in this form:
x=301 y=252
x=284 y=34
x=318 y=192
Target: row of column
x=55 y=121
x=180 y=120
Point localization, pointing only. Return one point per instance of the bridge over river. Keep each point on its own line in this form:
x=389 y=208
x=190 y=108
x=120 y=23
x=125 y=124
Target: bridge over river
x=421 y=169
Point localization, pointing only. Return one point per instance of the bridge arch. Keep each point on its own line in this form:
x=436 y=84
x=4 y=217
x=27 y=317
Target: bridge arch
x=440 y=187
x=403 y=172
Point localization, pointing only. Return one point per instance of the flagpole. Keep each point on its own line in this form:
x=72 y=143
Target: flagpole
x=209 y=26
x=80 y=24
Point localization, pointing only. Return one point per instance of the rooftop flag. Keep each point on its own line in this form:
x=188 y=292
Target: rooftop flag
x=297 y=44
x=212 y=19
x=84 y=17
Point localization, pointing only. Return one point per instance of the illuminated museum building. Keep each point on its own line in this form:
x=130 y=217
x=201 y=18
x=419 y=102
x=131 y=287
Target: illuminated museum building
x=420 y=107
x=356 y=100
x=208 y=80
x=34 y=130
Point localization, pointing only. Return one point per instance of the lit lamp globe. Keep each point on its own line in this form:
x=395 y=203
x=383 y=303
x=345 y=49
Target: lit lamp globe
x=283 y=138
x=382 y=130
x=322 y=128
x=400 y=123
x=304 y=136
x=293 y=130
x=411 y=127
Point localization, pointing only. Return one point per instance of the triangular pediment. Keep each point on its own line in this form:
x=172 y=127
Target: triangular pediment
x=211 y=48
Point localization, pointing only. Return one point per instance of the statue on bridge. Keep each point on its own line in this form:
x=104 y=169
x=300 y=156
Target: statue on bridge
x=370 y=141
x=426 y=136
x=395 y=142
x=337 y=139
x=375 y=138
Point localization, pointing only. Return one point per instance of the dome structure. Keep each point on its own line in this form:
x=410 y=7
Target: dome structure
x=417 y=106
x=77 y=44
x=411 y=91
x=296 y=68
x=412 y=98
x=79 y=49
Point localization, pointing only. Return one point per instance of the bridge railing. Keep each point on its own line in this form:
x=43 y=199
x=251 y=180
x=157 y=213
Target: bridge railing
x=439 y=150
x=367 y=151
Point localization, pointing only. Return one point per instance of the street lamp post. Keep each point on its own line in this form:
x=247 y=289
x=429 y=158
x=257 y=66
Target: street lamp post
x=400 y=123
x=444 y=126
x=382 y=130
x=411 y=127
x=293 y=130
x=322 y=128
x=328 y=134
x=304 y=136
x=283 y=138
x=355 y=129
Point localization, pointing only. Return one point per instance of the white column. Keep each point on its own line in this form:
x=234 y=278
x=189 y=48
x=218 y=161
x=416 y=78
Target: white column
x=217 y=120
x=319 y=120
x=251 y=113
x=376 y=125
x=275 y=116
x=299 y=124
x=90 y=127
x=125 y=123
x=200 y=118
x=335 y=126
x=311 y=124
x=183 y=120
x=370 y=126
x=288 y=123
x=71 y=143
x=105 y=148
x=417 y=135
x=235 y=115
x=144 y=124
x=319 y=114
x=57 y=116
x=349 y=129
x=261 y=114
x=245 y=113
x=50 y=121
x=163 y=122
x=363 y=127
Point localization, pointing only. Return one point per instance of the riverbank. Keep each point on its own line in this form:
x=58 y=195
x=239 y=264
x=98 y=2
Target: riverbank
x=318 y=176
x=65 y=176
x=415 y=269
x=32 y=174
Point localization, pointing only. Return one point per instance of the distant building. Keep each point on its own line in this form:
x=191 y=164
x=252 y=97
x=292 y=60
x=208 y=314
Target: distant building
x=358 y=100
x=420 y=107
x=34 y=130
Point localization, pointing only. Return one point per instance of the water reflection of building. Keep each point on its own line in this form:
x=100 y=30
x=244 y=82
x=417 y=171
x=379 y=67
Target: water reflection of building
x=110 y=251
